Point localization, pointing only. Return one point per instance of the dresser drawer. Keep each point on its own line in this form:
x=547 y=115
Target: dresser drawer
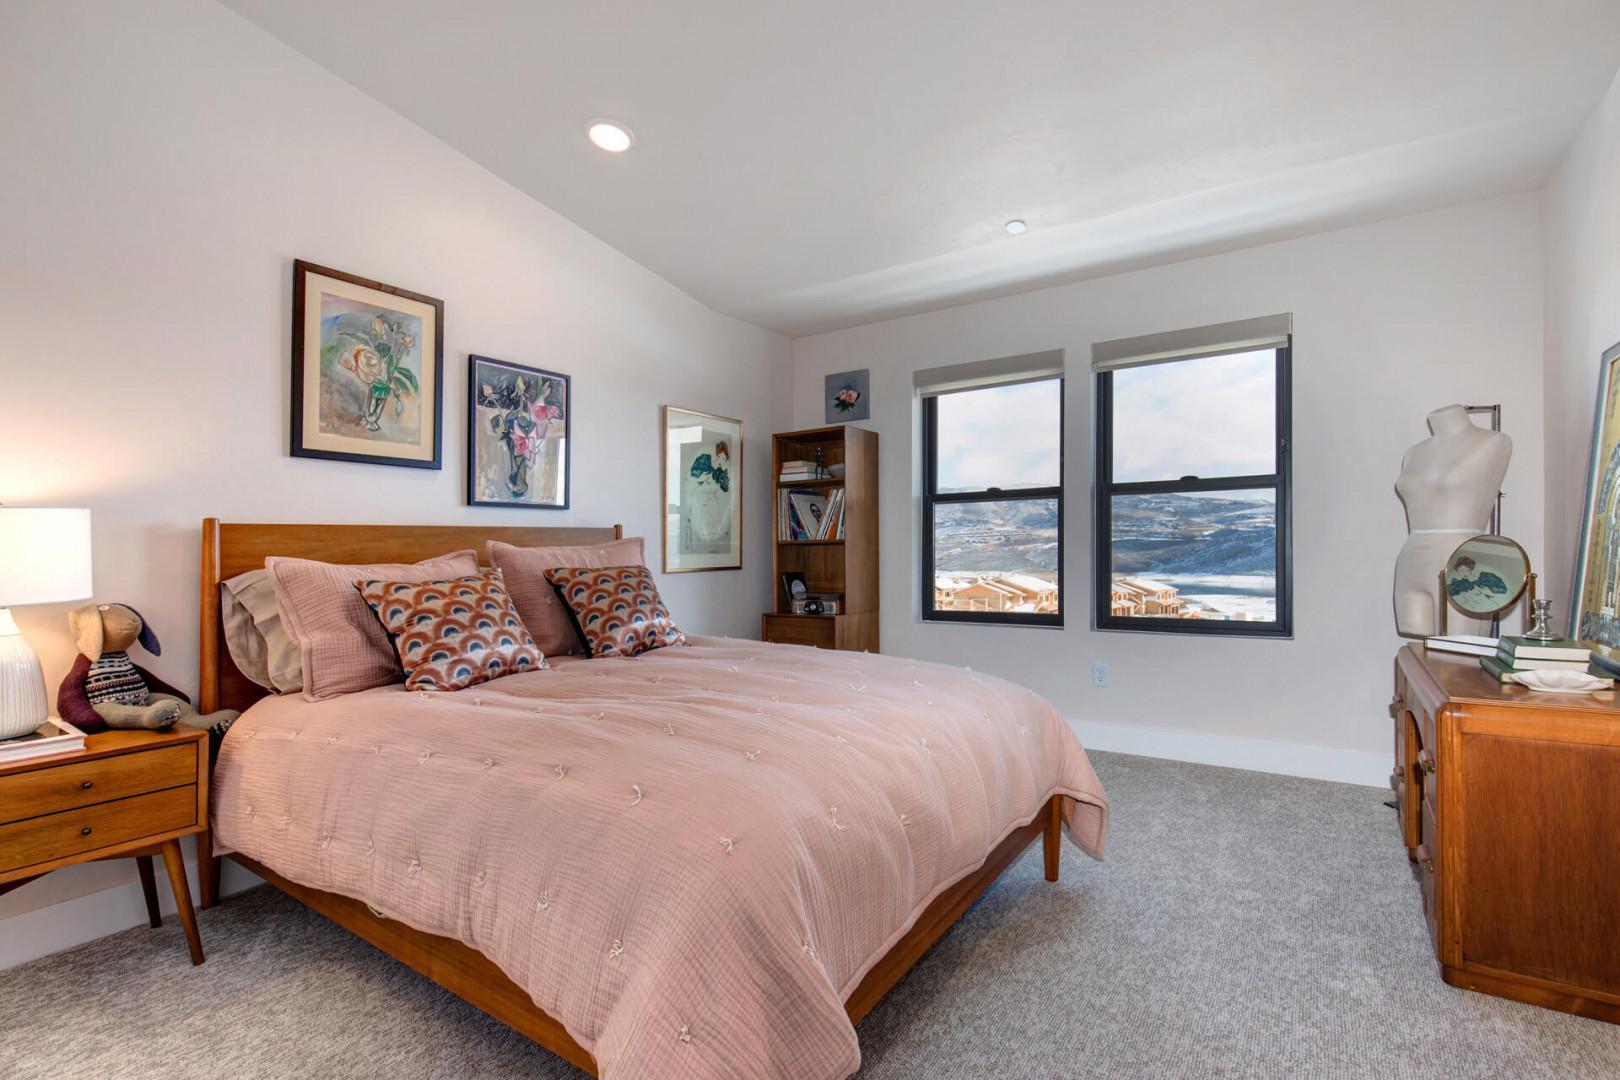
x=66 y=787
x=1429 y=869
x=73 y=832
x=818 y=630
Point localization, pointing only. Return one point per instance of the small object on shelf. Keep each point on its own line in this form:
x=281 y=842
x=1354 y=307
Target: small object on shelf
x=53 y=736
x=793 y=584
x=1466 y=644
x=1540 y=616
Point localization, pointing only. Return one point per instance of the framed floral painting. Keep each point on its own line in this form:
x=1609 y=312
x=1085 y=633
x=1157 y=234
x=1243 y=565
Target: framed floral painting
x=702 y=505
x=367 y=367
x=517 y=435
x=849 y=396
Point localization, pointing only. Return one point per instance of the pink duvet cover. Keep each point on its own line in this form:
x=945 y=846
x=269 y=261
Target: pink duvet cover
x=689 y=858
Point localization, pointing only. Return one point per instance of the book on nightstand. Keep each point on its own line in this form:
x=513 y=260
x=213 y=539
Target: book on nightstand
x=1512 y=650
x=54 y=736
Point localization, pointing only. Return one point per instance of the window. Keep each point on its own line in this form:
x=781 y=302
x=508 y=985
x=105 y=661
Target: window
x=1192 y=492
x=993 y=504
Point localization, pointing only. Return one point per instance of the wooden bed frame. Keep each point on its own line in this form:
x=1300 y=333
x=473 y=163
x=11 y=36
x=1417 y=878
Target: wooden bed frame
x=231 y=549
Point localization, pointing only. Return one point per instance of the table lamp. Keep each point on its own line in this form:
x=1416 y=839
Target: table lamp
x=44 y=559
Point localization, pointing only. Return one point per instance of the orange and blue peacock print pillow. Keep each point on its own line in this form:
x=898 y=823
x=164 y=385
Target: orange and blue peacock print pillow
x=455 y=633
x=617 y=609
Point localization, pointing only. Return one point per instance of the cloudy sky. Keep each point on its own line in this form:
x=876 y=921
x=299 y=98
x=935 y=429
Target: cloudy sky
x=1208 y=417
x=1006 y=436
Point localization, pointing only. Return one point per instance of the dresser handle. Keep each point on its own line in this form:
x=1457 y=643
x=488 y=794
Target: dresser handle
x=1426 y=761
x=1424 y=859
x=85 y=831
x=88 y=784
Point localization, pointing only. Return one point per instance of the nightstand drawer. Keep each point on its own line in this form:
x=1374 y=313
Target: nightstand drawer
x=818 y=630
x=73 y=832
x=67 y=787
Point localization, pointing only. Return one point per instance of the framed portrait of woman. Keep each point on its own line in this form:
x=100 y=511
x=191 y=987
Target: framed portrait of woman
x=702 y=471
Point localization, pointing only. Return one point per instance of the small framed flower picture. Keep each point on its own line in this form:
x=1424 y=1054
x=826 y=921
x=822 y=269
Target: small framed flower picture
x=367 y=367
x=702 y=504
x=517 y=435
x=849 y=396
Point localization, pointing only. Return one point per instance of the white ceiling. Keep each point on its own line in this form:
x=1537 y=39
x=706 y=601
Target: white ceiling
x=808 y=166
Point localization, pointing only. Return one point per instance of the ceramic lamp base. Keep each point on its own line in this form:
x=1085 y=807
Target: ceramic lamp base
x=22 y=682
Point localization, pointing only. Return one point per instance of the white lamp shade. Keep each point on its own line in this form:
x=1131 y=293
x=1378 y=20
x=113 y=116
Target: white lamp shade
x=44 y=555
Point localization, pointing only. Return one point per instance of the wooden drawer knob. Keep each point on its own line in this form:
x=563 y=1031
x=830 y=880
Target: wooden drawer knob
x=1424 y=859
x=1426 y=761
x=88 y=784
x=85 y=831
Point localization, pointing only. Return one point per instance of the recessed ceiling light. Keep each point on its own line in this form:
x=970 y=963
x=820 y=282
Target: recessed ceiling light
x=609 y=136
x=1016 y=226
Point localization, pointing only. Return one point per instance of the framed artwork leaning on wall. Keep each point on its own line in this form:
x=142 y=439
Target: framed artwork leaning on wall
x=367 y=370
x=702 y=491
x=1596 y=594
x=518 y=426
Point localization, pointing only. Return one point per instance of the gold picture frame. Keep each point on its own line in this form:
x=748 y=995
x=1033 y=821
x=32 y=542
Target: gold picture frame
x=701 y=480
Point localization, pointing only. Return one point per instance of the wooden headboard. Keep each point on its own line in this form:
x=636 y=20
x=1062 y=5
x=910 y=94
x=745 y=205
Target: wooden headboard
x=231 y=549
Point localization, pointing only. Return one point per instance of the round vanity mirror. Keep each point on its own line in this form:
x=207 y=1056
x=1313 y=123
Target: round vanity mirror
x=1486 y=575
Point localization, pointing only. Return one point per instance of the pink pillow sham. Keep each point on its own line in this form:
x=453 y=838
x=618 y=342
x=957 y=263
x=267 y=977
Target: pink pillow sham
x=340 y=642
x=536 y=599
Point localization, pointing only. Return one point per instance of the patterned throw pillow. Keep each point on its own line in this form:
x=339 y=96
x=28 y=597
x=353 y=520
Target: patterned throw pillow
x=453 y=634
x=617 y=609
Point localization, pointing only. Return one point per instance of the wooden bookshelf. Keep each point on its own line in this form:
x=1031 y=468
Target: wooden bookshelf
x=846 y=566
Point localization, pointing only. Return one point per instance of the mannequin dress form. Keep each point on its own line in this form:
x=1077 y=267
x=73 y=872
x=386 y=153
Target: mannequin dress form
x=1448 y=482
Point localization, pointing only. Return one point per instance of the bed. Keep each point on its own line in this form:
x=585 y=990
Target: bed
x=705 y=861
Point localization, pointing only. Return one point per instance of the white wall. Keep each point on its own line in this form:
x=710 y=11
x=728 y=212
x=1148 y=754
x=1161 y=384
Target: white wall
x=163 y=163
x=1582 y=217
x=1391 y=320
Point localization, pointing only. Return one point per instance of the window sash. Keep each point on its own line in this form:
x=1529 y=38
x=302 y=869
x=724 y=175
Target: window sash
x=1279 y=482
x=933 y=497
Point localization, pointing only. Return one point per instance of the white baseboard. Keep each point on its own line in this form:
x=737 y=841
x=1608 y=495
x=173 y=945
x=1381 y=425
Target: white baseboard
x=1259 y=755
x=74 y=921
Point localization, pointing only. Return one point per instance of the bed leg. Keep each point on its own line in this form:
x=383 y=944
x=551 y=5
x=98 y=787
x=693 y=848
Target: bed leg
x=207 y=872
x=1052 y=836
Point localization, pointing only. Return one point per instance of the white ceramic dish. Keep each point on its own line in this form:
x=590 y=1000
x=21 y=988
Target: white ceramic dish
x=1562 y=682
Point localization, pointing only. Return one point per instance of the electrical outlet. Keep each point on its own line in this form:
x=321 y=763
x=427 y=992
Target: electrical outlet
x=1099 y=674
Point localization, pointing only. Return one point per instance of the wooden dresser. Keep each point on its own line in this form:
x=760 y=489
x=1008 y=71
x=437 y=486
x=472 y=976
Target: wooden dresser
x=1509 y=805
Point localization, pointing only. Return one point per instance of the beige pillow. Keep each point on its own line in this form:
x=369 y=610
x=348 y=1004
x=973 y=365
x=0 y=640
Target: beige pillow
x=536 y=598
x=259 y=645
x=342 y=647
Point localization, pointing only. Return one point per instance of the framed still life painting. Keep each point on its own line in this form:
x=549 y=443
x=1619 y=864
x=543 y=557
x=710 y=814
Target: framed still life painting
x=517 y=435
x=367 y=366
x=1595 y=605
x=702 y=471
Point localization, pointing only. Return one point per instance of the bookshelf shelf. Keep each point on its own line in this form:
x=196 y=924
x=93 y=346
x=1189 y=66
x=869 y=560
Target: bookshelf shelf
x=846 y=568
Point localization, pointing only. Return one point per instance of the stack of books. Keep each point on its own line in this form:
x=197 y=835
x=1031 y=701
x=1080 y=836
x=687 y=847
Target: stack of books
x=799 y=470
x=1527 y=654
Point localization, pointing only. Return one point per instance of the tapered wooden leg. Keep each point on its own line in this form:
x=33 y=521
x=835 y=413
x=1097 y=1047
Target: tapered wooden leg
x=207 y=871
x=1052 y=836
x=143 y=863
x=175 y=863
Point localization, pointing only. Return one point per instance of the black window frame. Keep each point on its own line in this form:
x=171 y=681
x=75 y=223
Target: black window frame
x=932 y=497
x=1281 y=482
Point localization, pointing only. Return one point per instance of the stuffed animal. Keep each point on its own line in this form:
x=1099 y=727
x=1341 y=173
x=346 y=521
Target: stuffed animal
x=105 y=688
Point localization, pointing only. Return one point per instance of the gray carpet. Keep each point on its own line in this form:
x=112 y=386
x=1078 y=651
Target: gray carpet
x=1244 y=925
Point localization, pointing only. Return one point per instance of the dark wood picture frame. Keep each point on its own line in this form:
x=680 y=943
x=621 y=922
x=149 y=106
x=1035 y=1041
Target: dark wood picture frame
x=300 y=346
x=474 y=362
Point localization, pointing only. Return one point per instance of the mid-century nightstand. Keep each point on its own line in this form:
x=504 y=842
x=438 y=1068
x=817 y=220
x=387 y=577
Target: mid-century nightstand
x=128 y=794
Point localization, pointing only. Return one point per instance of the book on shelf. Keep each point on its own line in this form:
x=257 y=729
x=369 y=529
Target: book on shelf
x=1522 y=648
x=1466 y=644
x=54 y=736
x=1503 y=672
x=810 y=515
